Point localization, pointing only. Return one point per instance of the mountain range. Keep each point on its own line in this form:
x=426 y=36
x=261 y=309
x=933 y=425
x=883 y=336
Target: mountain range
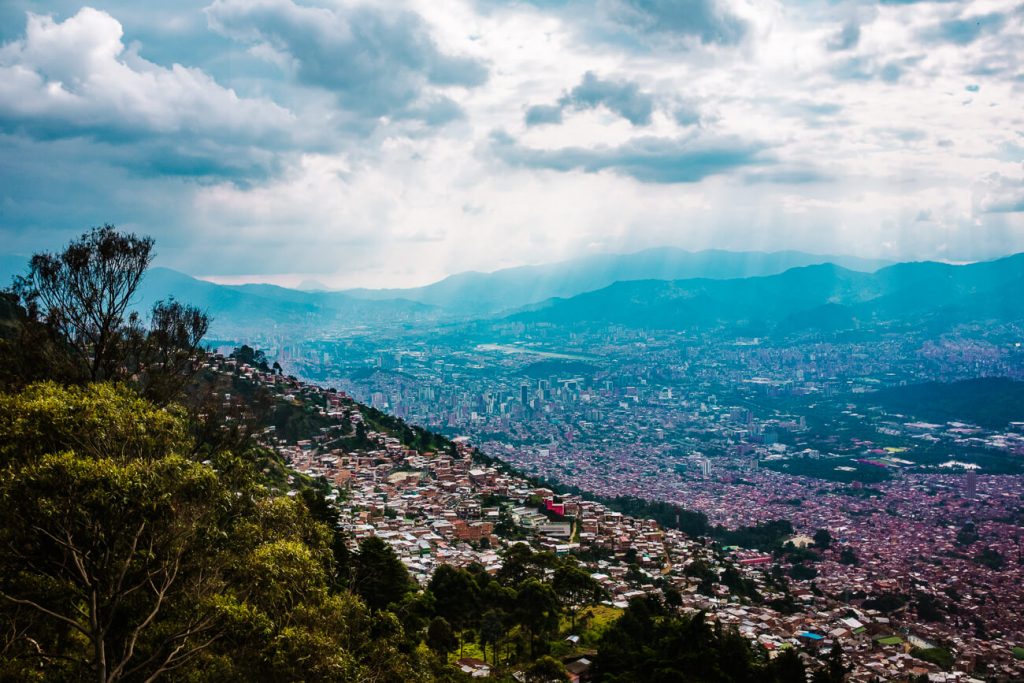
x=820 y=297
x=476 y=294
x=784 y=292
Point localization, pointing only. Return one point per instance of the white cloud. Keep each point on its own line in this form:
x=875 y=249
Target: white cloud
x=76 y=77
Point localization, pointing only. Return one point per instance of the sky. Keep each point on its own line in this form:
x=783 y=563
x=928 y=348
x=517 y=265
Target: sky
x=388 y=144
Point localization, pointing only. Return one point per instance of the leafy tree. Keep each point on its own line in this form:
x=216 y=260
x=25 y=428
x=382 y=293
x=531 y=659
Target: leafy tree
x=85 y=291
x=440 y=637
x=114 y=563
x=456 y=595
x=97 y=420
x=547 y=669
x=822 y=539
x=247 y=355
x=848 y=556
x=167 y=357
x=378 y=576
x=520 y=563
x=991 y=558
x=787 y=667
x=536 y=610
x=967 y=534
x=647 y=643
x=835 y=670
x=575 y=589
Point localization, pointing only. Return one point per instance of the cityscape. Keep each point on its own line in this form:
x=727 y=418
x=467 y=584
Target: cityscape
x=524 y=341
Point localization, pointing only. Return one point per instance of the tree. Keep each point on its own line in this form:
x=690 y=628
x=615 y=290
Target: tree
x=822 y=539
x=575 y=589
x=456 y=595
x=835 y=670
x=85 y=291
x=112 y=566
x=440 y=637
x=546 y=670
x=97 y=420
x=536 y=610
x=378 y=576
x=787 y=667
x=848 y=556
x=167 y=358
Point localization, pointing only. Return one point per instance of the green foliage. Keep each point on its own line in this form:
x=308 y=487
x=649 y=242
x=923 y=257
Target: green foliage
x=988 y=401
x=938 y=656
x=545 y=670
x=764 y=536
x=98 y=420
x=991 y=558
x=648 y=643
x=967 y=534
x=378 y=576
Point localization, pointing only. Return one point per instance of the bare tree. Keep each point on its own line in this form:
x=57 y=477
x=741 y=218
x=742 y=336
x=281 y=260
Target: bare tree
x=170 y=354
x=85 y=292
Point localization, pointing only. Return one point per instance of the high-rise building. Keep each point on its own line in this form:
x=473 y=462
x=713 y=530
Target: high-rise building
x=971 y=485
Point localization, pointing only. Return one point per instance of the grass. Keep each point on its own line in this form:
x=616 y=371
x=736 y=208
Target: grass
x=890 y=640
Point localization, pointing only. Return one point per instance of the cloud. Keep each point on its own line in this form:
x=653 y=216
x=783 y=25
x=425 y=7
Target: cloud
x=848 y=37
x=864 y=68
x=1002 y=194
x=964 y=30
x=620 y=97
x=77 y=78
x=542 y=114
x=377 y=61
x=647 y=159
x=706 y=20
x=645 y=25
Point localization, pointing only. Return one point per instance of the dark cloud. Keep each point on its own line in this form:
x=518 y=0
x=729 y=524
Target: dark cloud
x=868 y=69
x=687 y=114
x=543 y=114
x=645 y=25
x=621 y=97
x=378 y=61
x=848 y=37
x=789 y=175
x=964 y=30
x=618 y=96
x=707 y=20
x=649 y=160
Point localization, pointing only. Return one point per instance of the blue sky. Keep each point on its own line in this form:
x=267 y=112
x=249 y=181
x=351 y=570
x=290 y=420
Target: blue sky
x=392 y=143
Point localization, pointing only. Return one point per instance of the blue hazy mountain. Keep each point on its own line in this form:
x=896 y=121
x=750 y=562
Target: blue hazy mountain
x=473 y=293
x=821 y=297
x=251 y=309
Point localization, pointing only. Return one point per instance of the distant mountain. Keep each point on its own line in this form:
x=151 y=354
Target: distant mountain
x=473 y=293
x=250 y=309
x=821 y=297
